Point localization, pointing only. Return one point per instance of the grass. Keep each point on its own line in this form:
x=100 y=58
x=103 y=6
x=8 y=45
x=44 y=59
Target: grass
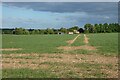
x=106 y=43
x=35 y=43
x=81 y=51
x=57 y=70
x=26 y=73
x=79 y=41
x=90 y=70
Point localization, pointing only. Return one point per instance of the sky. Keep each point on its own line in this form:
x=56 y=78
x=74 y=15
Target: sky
x=60 y=0
x=42 y=15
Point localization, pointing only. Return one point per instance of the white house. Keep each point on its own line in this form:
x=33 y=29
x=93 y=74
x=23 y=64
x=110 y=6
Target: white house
x=76 y=32
x=70 y=32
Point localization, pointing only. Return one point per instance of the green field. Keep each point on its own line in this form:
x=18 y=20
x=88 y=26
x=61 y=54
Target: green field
x=40 y=57
x=35 y=43
x=106 y=43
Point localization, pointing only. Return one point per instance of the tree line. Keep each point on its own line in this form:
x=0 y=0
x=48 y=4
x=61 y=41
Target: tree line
x=102 y=28
x=19 y=31
x=88 y=28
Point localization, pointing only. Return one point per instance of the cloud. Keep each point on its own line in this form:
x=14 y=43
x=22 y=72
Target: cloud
x=62 y=7
x=59 y=0
x=56 y=15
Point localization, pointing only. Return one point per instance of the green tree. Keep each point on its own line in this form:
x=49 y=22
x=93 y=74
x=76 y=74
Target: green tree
x=18 y=31
x=96 y=28
x=49 y=31
x=25 y=31
x=64 y=30
x=89 y=28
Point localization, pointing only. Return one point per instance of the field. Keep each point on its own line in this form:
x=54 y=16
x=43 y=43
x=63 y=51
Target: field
x=60 y=56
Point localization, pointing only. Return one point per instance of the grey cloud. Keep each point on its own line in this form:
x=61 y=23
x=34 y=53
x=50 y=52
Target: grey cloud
x=75 y=13
x=101 y=8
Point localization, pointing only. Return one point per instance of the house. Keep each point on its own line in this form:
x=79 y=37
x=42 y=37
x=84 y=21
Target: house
x=76 y=32
x=70 y=32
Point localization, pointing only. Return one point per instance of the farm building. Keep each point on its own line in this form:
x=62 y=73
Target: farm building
x=76 y=32
x=60 y=33
x=70 y=32
x=81 y=30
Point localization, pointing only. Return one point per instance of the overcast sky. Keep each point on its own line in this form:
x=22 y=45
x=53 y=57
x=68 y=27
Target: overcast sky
x=57 y=14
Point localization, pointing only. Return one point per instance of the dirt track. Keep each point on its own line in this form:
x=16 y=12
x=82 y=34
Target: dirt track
x=86 y=39
x=72 y=41
x=84 y=47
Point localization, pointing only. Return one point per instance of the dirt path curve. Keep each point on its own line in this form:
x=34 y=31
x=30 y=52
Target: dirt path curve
x=72 y=41
x=85 y=39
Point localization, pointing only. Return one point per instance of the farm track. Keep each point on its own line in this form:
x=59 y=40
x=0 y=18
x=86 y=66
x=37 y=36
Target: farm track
x=72 y=41
x=85 y=39
x=84 y=47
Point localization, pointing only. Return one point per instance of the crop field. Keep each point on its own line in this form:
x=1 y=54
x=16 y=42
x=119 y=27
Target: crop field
x=60 y=56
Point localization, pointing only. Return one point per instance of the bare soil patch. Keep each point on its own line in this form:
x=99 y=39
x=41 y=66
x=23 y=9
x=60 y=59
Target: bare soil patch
x=10 y=49
x=65 y=58
x=60 y=63
x=69 y=41
x=84 y=47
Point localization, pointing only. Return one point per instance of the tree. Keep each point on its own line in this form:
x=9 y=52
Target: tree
x=88 y=28
x=96 y=28
x=100 y=29
x=75 y=28
x=25 y=31
x=42 y=31
x=49 y=31
x=18 y=31
x=105 y=27
x=64 y=30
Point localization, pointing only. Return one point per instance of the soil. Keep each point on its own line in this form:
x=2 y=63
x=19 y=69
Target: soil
x=65 y=58
x=10 y=49
x=84 y=47
x=62 y=61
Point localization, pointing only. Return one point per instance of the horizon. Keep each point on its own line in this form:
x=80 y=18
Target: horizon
x=42 y=15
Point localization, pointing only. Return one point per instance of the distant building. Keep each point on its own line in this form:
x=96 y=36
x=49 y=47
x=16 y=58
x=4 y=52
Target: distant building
x=70 y=32
x=60 y=33
x=81 y=30
x=76 y=32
